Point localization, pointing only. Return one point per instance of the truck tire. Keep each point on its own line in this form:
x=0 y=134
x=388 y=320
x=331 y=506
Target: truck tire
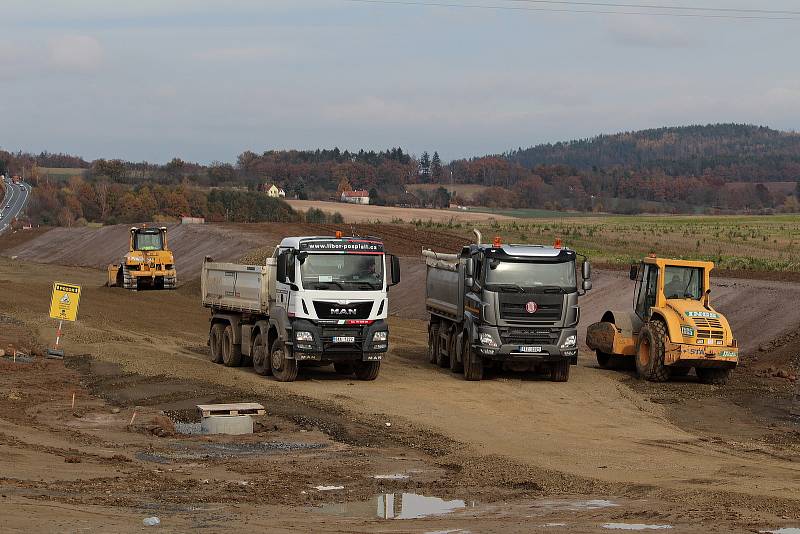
x=442 y=356
x=231 y=352
x=261 y=363
x=128 y=281
x=433 y=342
x=343 y=368
x=455 y=365
x=171 y=282
x=284 y=369
x=559 y=371
x=713 y=375
x=473 y=367
x=367 y=370
x=679 y=371
x=650 y=352
x=215 y=342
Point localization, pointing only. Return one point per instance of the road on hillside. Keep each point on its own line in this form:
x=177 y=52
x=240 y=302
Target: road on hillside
x=16 y=198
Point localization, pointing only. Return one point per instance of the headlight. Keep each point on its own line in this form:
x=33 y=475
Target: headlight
x=687 y=331
x=303 y=336
x=487 y=339
x=570 y=342
x=380 y=336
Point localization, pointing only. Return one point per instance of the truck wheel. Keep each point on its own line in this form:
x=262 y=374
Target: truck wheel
x=650 y=352
x=231 y=352
x=559 y=371
x=170 y=282
x=215 y=342
x=261 y=363
x=455 y=365
x=433 y=342
x=284 y=369
x=367 y=370
x=442 y=356
x=343 y=368
x=713 y=375
x=473 y=367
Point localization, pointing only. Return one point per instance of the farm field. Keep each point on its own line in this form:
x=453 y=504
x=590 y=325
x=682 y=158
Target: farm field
x=386 y=214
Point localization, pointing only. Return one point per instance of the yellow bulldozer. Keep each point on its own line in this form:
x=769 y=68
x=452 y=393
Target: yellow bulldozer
x=673 y=327
x=148 y=263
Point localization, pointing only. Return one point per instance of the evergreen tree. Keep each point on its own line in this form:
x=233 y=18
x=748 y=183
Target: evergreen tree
x=425 y=166
x=436 y=168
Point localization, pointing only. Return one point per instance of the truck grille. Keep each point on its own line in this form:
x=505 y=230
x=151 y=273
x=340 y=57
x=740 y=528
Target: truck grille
x=334 y=310
x=329 y=333
x=513 y=307
x=529 y=336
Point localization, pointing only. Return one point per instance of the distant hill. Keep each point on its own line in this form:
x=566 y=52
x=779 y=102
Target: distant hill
x=741 y=152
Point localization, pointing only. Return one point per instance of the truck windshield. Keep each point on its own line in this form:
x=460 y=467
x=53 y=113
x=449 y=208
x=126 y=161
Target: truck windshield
x=683 y=282
x=351 y=272
x=147 y=242
x=529 y=276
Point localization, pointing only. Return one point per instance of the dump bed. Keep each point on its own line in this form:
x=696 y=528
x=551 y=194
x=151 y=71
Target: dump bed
x=239 y=288
x=444 y=285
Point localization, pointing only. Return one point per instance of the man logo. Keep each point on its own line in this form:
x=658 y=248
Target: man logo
x=343 y=311
x=531 y=307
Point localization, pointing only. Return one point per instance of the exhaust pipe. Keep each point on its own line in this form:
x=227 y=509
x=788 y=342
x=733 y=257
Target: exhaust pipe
x=478 y=235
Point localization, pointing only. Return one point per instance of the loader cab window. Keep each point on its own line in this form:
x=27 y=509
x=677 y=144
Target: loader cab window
x=683 y=282
x=648 y=289
x=148 y=241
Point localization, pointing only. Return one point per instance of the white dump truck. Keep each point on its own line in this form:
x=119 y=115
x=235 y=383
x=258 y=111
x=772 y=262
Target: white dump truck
x=317 y=301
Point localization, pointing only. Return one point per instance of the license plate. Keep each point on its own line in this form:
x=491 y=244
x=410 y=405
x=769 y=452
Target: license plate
x=530 y=349
x=344 y=339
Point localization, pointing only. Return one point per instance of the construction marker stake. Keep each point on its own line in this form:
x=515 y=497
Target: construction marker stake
x=73 y=400
x=132 y=418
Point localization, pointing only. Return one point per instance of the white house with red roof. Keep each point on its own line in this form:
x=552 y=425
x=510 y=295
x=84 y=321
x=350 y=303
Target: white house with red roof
x=355 y=197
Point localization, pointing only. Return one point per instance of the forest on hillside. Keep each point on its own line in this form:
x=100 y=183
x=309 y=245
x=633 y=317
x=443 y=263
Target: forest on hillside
x=722 y=168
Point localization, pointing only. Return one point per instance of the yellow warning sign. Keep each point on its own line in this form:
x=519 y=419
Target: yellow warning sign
x=64 y=303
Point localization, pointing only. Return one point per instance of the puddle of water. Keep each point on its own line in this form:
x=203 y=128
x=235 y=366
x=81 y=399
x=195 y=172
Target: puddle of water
x=785 y=530
x=395 y=476
x=396 y=506
x=635 y=526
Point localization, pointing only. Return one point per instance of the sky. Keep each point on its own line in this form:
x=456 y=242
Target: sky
x=206 y=80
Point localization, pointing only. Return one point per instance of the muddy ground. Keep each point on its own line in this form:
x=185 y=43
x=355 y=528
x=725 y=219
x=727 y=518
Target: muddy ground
x=510 y=454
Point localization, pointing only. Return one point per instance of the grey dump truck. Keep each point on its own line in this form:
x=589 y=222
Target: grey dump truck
x=509 y=306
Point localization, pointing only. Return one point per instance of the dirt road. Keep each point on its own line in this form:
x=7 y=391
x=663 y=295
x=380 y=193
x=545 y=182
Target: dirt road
x=699 y=456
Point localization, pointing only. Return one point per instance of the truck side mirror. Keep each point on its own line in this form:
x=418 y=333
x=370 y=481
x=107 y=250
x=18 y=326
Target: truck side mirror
x=634 y=272
x=587 y=285
x=587 y=270
x=395 y=264
x=469 y=267
x=469 y=281
x=280 y=270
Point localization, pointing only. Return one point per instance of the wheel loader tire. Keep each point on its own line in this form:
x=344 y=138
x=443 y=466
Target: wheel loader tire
x=433 y=342
x=650 y=352
x=713 y=375
x=559 y=371
x=215 y=342
x=170 y=282
x=343 y=368
x=455 y=365
x=473 y=367
x=367 y=370
x=261 y=363
x=284 y=369
x=128 y=281
x=231 y=352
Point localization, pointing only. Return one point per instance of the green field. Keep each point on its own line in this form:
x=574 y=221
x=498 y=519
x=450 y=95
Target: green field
x=750 y=243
